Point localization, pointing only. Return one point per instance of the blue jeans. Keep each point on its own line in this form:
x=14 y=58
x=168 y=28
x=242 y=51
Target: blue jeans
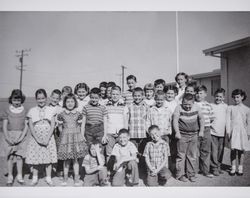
x=186 y=155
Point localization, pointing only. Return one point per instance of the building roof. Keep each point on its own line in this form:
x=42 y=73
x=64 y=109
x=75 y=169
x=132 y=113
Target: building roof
x=206 y=75
x=227 y=47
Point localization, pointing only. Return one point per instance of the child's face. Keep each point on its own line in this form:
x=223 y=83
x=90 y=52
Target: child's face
x=94 y=99
x=219 y=98
x=103 y=92
x=181 y=80
x=123 y=139
x=159 y=100
x=41 y=100
x=54 y=99
x=187 y=104
x=81 y=93
x=149 y=94
x=238 y=99
x=65 y=93
x=115 y=95
x=70 y=104
x=131 y=84
x=155 y=135
x=190 y=90
x=159 y=87
x=92 y=150
x=138 y=97
x=170 y=95
x=201 y=96
x=109 y=92
x=16 y=102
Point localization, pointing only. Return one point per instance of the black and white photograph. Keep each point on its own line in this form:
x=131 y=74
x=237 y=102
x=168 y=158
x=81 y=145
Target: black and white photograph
x=127 y=99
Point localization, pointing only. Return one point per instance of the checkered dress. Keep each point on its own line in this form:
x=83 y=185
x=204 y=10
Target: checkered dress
x=157 y=153
x=161 y=117
x=137 y=120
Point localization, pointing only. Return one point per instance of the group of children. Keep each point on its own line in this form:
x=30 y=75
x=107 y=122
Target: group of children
x=113 y=136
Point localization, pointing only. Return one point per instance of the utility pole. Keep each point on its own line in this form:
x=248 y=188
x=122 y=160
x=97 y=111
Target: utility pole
x=123 y=68
x=21 y=54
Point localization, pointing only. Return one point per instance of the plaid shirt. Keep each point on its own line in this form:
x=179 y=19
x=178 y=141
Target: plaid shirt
x=207 y=111
x=161 y=117
x=137 y=120
x=157 y=153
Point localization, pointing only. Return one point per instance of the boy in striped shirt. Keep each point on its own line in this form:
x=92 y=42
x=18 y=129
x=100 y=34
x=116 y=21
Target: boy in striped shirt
x=188 y=121
x=204 y=143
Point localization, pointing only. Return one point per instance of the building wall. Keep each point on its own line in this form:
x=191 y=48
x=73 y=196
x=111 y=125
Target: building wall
x=235 y=72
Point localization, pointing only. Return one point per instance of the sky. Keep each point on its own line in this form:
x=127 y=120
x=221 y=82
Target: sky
x=72 y=47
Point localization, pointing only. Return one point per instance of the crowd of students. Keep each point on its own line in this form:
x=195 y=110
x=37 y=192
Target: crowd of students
x=114 y=137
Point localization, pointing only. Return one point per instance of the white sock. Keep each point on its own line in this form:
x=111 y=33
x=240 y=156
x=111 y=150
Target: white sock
x=233 y=168
x=240 y=168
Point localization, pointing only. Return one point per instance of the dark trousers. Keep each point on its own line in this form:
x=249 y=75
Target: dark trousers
x=186 y=155
x=94 y=133
x=217 y=150
x=161 y=178
x=132 y=169
x=204 y=145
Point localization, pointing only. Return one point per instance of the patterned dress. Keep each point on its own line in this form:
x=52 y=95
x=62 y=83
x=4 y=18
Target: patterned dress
x=238 y=126
x=71 y=143
x=16 y=123
x=36 y=153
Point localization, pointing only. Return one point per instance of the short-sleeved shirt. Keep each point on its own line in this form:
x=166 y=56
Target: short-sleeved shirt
x=37 y=113
x=162 y=117
x=188 y=120
x=157 y=153
x=94 y=114
x=137 y=120
x=116 y=114
x=207 y=112
x=82 y=103
x=218 y=126
x=124 y=151
x=16 y=120
x=91 y=162
x=128 y=97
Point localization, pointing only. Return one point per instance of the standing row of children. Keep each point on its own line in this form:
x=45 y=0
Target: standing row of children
x=109 y=133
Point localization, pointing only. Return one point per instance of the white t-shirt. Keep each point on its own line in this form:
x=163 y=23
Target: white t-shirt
x=124 y=151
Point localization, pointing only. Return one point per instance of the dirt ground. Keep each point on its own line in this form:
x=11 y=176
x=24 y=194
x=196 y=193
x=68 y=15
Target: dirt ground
x=222 y=180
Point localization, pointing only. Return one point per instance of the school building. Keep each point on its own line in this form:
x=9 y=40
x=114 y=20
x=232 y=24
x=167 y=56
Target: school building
x=235 y=66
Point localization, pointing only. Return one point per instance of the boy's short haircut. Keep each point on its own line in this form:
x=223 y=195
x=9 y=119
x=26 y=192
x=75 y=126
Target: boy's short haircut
x=131 y=77
x=123 y=131
x=220 y=90
x=137 y=89
x=17 y=94
x=181 y=74
x=170 y=87
x=95 y=90
x=152 y=127
x=159 y=81
x=56 y=91
x=103 y=84
x=239 y=92
x=41 y=91
x=201 y=88
x=67 y=89
x=188 y=97
x=116 y=88
x=149 y=86
x=111 y=84
x=94 y=142
x=70 y=95
x=159 y=93
x=81 y=86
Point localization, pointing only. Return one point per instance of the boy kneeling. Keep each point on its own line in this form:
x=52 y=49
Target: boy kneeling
x=156 y=155
x=125 y=165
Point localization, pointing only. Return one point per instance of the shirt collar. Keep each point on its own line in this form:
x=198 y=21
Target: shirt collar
x=72 y=111
x=16 y=109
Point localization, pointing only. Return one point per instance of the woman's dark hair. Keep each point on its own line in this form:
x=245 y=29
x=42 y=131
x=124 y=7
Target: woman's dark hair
x=182 y=74
x=239 y=92
x=17 y=94
x=41 y=91
x=67 y=97
x=81 y=86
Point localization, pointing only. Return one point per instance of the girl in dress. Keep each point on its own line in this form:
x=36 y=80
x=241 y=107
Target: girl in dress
x=82 y=94
x=182 y=80
x=238 y=130
x=72 y=146
x=15 y=130
x=41 y=149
